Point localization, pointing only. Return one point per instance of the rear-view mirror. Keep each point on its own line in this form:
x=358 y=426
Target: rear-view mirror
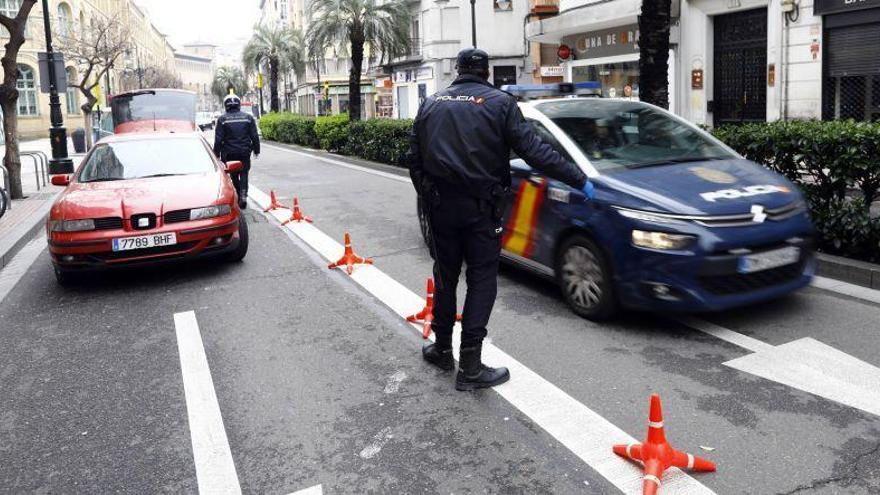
x=60 y=180
x=234 y=167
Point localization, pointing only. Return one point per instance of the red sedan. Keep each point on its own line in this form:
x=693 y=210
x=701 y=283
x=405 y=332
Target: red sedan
x=145 y=198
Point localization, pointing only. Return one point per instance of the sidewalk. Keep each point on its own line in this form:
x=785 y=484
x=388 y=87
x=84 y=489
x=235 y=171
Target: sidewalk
x=24 y=220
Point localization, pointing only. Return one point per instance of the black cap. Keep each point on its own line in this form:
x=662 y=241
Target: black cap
x=472 y=58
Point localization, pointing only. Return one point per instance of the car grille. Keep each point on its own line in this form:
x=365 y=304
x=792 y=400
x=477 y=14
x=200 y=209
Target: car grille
x=746 y=219
x=174 y=248
x=108 y=223
x=736 y=283
x=177 y=216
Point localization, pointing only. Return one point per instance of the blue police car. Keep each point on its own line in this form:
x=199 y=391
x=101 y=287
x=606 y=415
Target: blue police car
x=680 y=222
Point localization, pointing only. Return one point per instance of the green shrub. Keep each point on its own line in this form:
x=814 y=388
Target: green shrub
x=836 y=164
x=332 y=132
x=379 y=140
x=298 y=130
x=269 y=124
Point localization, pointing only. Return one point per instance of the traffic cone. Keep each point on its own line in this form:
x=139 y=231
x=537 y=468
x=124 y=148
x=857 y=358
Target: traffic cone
x=274 y=204
x=349 y=258
x=297 y=215
x=657 y=455
x=426 y=315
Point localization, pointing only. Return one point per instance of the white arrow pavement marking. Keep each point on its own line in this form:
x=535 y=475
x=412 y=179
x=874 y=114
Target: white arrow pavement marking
x=215 y=469
x=805 y=364
x=583 y=431
x=315 y=490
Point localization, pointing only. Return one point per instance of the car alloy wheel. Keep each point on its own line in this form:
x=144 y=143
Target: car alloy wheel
x=584 y=279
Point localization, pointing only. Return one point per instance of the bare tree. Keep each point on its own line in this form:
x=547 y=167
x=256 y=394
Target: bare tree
x=9 y=94
x=150 y=77
x=94 y=49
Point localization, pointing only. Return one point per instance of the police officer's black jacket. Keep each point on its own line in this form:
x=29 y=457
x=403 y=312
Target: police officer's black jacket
x=462 y=136
x=236 y=135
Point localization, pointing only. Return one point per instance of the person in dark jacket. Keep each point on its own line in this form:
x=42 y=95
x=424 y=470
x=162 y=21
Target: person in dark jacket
x=234 y=139
x=459 y=161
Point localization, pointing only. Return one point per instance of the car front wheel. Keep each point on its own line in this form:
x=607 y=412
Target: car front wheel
x=242 y=249
x=585 y=279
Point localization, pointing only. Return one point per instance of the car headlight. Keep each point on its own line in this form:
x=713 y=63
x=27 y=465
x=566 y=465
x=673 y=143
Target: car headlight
x=209 y=212
x=661 y=240
x=649 y=217
x=71 y=225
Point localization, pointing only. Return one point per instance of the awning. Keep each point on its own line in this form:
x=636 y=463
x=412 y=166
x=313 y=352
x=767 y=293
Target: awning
x=598 y=15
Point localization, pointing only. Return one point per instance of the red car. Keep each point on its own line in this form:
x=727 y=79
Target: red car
x=145 y=198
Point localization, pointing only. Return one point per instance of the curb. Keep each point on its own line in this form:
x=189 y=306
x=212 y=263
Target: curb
x=855 y=272
x=24 y=233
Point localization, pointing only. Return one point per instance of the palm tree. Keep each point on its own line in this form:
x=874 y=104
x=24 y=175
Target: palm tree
x=383 y=26
x=654 y=52
x=272 y=48
x=228 y=78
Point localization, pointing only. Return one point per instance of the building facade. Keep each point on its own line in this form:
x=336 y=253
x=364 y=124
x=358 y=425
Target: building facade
x=195 y=65
x=66 y=15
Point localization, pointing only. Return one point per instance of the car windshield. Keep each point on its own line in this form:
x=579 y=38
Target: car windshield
x=630 y=134
x=146 y=158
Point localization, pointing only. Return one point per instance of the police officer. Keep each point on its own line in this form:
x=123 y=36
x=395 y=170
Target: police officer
x=234 y=139
x=459 y=161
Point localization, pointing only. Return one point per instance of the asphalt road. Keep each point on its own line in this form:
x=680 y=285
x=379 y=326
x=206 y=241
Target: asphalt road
x=318 y=382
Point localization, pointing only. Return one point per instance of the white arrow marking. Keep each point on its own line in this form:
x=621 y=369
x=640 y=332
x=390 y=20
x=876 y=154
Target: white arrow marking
x=805 y=364
x=315 y=490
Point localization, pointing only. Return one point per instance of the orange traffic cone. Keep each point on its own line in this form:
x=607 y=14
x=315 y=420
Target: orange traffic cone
x=274 y=204
x=349 y=259
x=426 y=315
x=297 y=215
x=657 y=455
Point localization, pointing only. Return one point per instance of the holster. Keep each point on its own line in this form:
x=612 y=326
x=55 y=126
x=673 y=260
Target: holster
x=500 y=197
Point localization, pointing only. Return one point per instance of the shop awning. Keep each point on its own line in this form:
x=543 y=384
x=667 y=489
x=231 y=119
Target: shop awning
x=589 y=17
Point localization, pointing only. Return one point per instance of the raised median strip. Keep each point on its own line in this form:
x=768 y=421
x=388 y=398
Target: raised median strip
x=23 y=222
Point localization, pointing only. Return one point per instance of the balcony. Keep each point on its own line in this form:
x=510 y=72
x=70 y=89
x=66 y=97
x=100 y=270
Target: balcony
x=415 y=47
x=545 y=7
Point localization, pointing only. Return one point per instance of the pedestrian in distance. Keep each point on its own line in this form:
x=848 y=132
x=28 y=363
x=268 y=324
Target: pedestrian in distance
x=459 y=161
x=235 y=138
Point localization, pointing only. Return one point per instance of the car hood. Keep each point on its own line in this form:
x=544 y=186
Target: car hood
x=124 y=198
x=716 y=187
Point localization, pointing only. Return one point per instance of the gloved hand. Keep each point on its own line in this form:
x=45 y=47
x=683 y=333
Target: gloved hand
x=589 y=190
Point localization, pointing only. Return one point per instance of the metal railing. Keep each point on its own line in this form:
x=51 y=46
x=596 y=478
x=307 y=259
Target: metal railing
x=41 y=166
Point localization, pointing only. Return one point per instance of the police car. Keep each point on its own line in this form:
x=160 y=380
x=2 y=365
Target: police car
x=680 y=221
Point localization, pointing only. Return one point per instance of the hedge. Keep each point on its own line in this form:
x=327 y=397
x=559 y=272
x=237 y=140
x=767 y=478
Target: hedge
x=836 y=164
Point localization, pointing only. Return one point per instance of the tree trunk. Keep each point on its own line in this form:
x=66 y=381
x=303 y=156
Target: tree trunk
x=87 y=126
x=12 y=160
x=273 y=85
x=654 y=52
x=354 y=78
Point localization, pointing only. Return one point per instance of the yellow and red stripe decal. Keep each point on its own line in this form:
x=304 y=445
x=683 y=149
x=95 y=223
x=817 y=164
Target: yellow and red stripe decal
x=519 y=237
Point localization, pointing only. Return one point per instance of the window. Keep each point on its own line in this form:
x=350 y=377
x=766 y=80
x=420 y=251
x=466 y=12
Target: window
x=27 y=91
x=72 y=97
x=503 y=74
x=64 y=19
x=504 y=5
x=282 y=10
x=10 y=8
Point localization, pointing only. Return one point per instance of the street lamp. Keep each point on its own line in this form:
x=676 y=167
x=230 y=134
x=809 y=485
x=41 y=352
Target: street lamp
x=473 y=22
x=60 y=163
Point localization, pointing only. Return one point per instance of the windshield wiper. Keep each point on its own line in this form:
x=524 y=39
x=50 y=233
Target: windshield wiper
x=157 y=175
x=670 y=161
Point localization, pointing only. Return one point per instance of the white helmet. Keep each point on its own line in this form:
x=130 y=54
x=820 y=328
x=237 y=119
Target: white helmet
x=232 y=102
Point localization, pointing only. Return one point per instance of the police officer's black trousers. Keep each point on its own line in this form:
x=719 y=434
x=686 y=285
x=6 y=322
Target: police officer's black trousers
x=240 y=180
x=464 y=231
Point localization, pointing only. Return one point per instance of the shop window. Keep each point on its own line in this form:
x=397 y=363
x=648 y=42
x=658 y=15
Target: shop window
x=619 y=80
x=27 y=91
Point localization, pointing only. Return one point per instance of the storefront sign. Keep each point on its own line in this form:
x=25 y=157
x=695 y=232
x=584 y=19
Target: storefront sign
x=832 y=6
x=605 y=42
x=564 y=52
x=697 y=79
x=552 y=71
x=425 y=73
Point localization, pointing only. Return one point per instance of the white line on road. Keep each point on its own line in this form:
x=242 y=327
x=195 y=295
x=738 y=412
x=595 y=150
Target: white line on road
x=725 y=334
x=12 y=273
x=847 y=289
x=215 y=469
x=583 y=431
x=339 y=163
x=315 y=490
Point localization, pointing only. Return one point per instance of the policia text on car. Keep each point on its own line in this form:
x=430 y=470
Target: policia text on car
x=459 y=163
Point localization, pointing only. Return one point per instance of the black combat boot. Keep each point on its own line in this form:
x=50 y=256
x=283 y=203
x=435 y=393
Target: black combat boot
x=440 y=353
x=473 y=374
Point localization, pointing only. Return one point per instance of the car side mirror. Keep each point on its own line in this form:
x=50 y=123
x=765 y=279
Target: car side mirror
x=60 y=180
x=234 y=167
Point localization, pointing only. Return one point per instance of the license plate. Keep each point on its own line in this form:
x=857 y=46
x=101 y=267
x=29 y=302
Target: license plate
x=770 y=259
x=144 y=241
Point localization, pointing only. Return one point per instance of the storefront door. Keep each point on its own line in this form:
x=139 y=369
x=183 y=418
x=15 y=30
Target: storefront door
x=740 y=63
x=851 y=87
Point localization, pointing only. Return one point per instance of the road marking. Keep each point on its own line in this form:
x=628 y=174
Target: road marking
x=378 y=443
x=339 y=163
x=394 y=381
x=315 y=490
x=847 y=289
x=583 y=431
x=215 y=469
x=805 y=364
x=12 y=273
